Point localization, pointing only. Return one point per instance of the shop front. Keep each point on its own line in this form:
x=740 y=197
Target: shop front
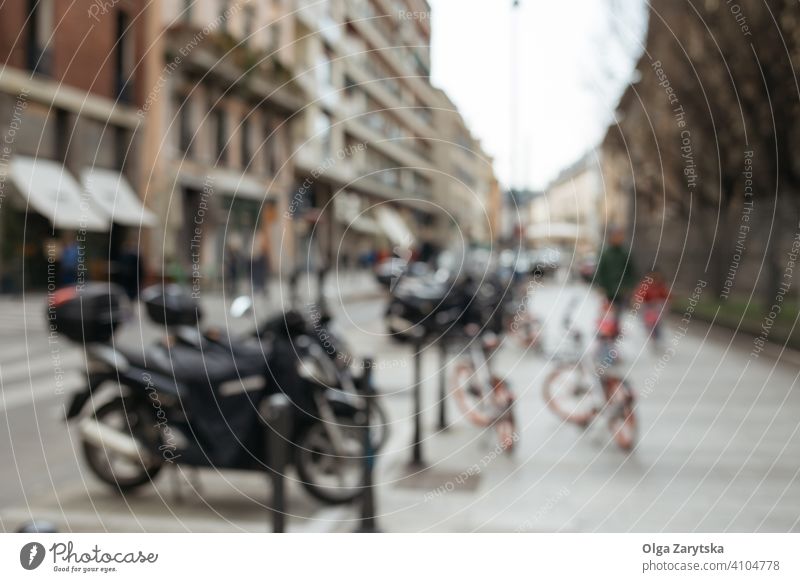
x=226 y=234
x=52 y=229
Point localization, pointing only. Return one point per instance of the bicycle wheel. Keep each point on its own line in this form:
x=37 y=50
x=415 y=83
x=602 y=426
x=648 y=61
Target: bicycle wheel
x=622 y=421
x=471 y=398
x=568 y=392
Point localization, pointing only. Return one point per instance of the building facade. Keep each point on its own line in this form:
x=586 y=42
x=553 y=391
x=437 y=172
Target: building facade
x=351 y=149
x=232 y=137
x=382 y=157
x=570 y=212
x=71 y=84
x=218 y=165
x=466 y=189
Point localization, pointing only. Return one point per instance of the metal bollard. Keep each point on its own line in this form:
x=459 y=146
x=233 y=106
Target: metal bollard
x=321 y=302
x=416 y=444
x=368 y=523
x=279 y=418
x=294 y=291
x=442 y=384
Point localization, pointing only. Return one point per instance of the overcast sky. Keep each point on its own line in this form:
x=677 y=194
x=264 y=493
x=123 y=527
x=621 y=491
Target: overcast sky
x=574 y=59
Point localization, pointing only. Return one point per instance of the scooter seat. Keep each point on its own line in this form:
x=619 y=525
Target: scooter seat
x=192 y=367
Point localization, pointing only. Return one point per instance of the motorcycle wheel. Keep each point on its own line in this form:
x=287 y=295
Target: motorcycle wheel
x=124 y=475
x=330 y=477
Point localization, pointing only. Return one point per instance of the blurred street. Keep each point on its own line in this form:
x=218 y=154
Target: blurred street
x=586 y=219
x=717 y=448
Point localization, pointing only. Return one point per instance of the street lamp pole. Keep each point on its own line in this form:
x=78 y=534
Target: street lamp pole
x=514 y=119
x=514 y=97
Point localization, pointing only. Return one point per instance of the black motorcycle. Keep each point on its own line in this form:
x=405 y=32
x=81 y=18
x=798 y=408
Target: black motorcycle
x=312 y=325
x=433 y=306
x=199 y=402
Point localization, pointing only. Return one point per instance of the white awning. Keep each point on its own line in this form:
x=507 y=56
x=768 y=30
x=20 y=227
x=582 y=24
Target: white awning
x=347 y=210
x=116 y=198
x=394 y=227
x=52 y=191
x=365 y=225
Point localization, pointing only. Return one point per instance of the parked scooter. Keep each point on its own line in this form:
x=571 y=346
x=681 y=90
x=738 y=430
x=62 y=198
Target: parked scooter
x=197 y=402
x=317 y=327
x=430 y=306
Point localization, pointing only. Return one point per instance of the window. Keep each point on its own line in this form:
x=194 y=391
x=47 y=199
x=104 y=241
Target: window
x=223 y=14
x=324 y=70
x=244 y=134
x=249 y=21
x=125 y=59
x=272 y=147
x=322 y=131
x=350 y=86
x=221 y=127
x=40 y=29
x=121 y=146
x=187 y=10
x=183 y=113
x=63 y=134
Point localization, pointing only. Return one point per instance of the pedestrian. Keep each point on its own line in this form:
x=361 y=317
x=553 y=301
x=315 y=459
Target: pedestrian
x=652 y=295
x=68 y=264
x=233 y=263
x=130 y=273
x=615 y=273
x=259 y=265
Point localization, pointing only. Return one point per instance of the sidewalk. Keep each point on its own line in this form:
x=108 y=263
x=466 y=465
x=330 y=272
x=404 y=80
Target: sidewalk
x=46 y=477
x=717 y=450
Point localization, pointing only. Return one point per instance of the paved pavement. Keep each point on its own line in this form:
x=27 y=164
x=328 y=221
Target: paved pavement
x=718 y=442
x=718 y=446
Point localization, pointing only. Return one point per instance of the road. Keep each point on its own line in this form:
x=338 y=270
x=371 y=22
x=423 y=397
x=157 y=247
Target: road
x=718 y=443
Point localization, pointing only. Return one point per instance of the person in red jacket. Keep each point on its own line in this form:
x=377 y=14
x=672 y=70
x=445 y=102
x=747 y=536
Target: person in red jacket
x=652 y=296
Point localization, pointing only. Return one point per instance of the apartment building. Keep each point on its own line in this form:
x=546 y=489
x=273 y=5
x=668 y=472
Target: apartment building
x=299 y=131
x=366 y=160
x=466 y=188
x=219 y=166
x=71 y=84
x=383 y=159
x=571 y=210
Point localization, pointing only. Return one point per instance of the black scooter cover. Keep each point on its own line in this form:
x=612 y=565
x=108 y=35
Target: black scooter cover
x=227 y=427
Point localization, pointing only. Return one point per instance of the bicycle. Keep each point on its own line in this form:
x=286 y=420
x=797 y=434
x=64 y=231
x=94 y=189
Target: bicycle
x=485 y=399
x=584 y=384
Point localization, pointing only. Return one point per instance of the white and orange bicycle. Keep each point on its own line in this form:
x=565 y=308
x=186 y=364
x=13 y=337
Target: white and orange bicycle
x=585 y=385
x=484 y=398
